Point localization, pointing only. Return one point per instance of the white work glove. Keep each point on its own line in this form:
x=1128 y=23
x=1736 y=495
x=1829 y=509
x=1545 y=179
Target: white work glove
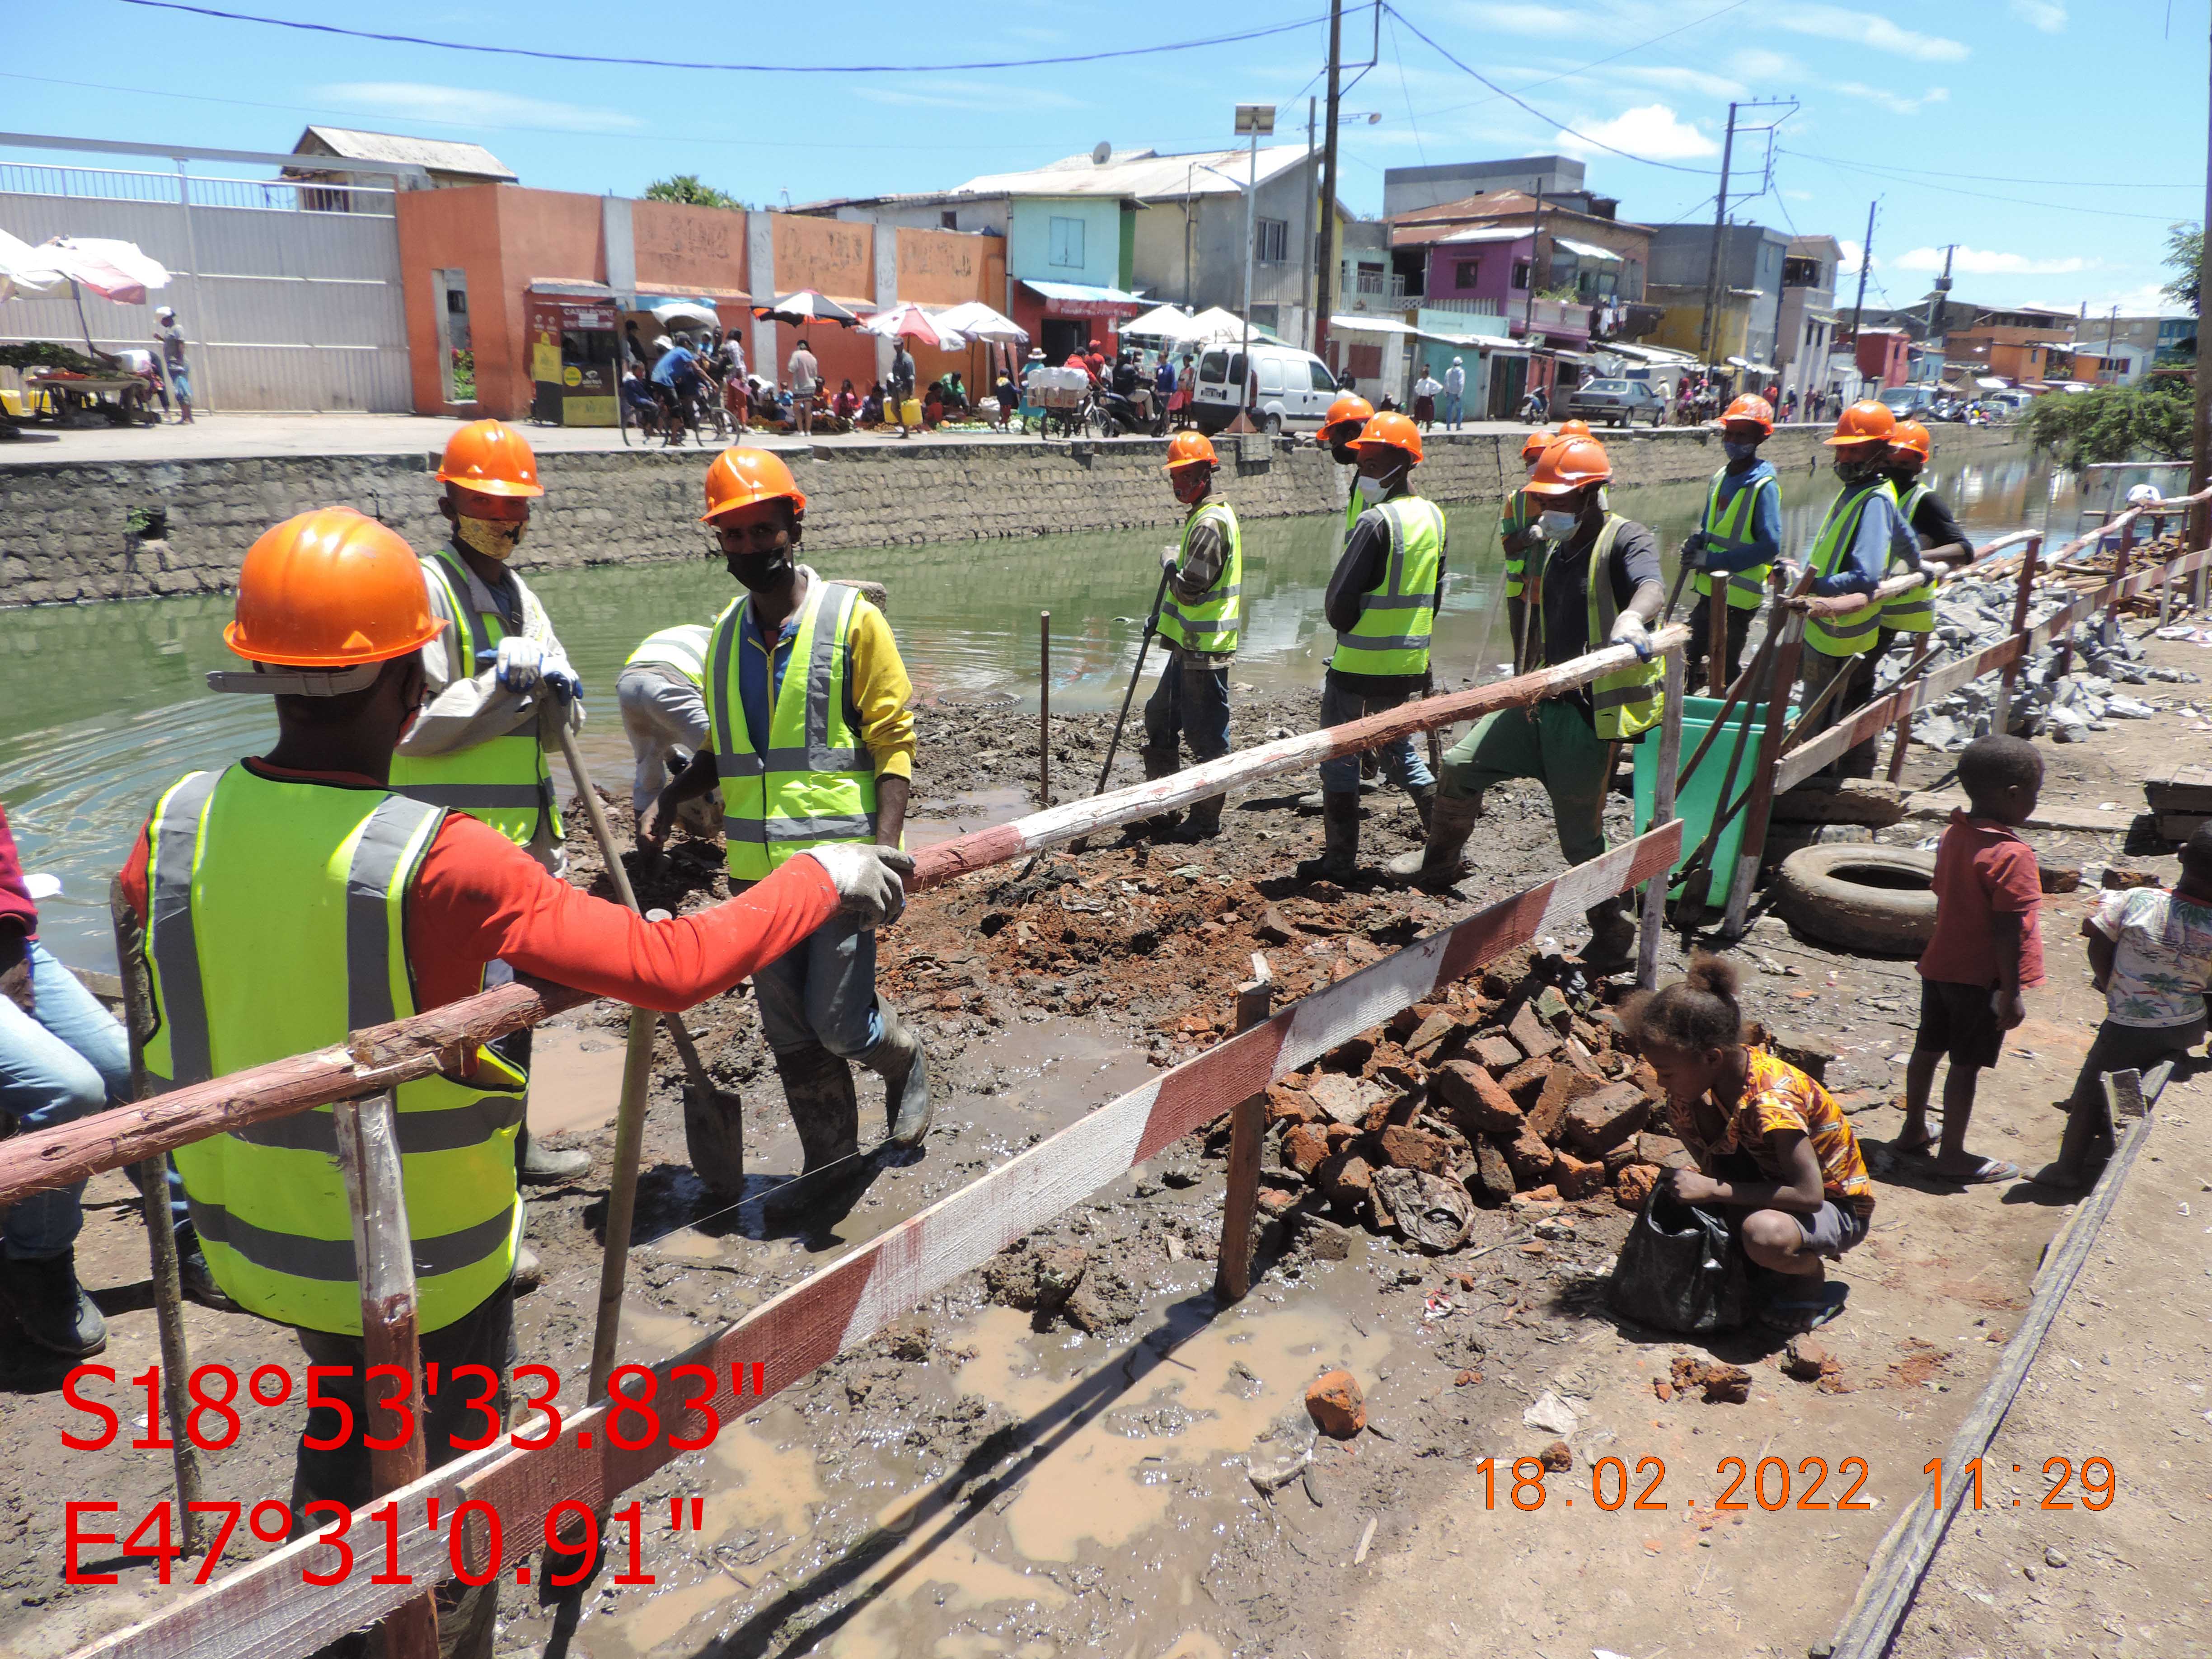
x=1628 y=630
x=519 y=663
x=868 y=879
x=554 y=668
x=1169 y=556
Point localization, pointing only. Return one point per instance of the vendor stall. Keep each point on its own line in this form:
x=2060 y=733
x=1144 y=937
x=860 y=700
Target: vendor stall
x=575 y=352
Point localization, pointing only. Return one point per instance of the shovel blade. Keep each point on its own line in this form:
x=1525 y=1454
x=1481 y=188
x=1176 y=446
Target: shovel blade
x=714 y=1135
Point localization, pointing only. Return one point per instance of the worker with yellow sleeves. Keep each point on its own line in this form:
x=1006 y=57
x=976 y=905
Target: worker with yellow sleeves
x=1738 y=537
x=661 y=691
x=293 y=898
x=1597 y=583
x=809 y=733
x=500 y=689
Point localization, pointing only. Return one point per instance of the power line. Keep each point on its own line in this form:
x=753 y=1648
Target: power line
x=1600 y=62
x=599 y=59
x=2009 y=179
x=1407 y=92
x=1515 y=99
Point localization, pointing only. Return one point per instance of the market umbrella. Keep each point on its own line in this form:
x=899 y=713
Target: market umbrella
x=1167 y=320
x=805 y=307
x=686 y=311
x=913 y=323
x=979 y=322
x=113 y=270
x=1211 y=325
x=25 y=269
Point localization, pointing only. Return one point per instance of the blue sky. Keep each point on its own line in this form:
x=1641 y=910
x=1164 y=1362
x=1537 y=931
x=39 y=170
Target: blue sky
x=2054 y=140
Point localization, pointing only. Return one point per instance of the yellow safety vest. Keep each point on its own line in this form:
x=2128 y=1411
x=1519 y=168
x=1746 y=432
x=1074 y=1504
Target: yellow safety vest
x=1628 y=702
x=1399 y=613
x=1729 y=529
x=276 y=926
x=683 y=647
x=503 y=782
x=816 y=783
x=1211 y=625
x=1519 y=514
x=1913 y=612
x=1856 y=633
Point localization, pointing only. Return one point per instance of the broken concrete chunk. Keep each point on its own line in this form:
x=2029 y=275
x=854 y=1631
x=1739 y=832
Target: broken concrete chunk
x=1491 y=1178
x=1495 y=1051
x=1527 y=1028
x=1407 y=1148
x=1665 y=1151
x=1566 y=1084
x=1530 y=1157
x=1304 y=1148
x=1574 y=1178
x=1340 y=1098
x=1598 y=1122
x=1723 y=1383
x=1554 y=1009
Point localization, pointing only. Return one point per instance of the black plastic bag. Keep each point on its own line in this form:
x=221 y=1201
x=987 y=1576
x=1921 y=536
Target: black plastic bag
x=1681 y=1270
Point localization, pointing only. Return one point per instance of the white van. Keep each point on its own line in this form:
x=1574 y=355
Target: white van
x=1292 y=389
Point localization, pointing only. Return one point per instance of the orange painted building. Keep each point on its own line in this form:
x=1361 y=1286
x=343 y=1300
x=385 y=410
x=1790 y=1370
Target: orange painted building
x=481 y=342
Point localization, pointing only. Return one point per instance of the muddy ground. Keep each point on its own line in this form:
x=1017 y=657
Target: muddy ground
x=972 y=1485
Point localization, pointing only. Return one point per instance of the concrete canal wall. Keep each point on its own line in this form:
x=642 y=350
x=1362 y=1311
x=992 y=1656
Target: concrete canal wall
x=67 y=529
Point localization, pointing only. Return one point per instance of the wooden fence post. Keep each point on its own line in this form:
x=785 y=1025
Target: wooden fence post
x=1760 y=802
x=1248 y=1129
x=2009 y=676
x=1662 y=809
x=1716 y=616
x=1044 y=708
x=384 y=1261
x=622 y=1196
x=1904 y=720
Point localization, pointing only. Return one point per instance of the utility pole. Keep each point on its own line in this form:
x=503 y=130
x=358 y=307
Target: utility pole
x=1536 y=248
x=1713 y=263
x=1306 y=225
x=2200 y=452
x=1325 y=276
x=1943 y=293
x=1858 y=306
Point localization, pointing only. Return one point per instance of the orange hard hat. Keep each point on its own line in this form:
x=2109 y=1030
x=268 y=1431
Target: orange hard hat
x=1391 y=430
x=1568 y=465
x=1912 y=438
x=1351 y=410
x=1536 y=443
x=1188 y=449
x=1865 y=422
x=740 y=477
x=492 y=458
x=1750 y=408
x=330 y=589
x=1573 y=430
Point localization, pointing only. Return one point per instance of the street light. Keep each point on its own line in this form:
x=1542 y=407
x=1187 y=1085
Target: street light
x=1252 y=120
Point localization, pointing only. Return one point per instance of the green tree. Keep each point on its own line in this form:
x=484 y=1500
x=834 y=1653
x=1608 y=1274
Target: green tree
x=686 y=188
x=2114 y=423
x=2185 y=256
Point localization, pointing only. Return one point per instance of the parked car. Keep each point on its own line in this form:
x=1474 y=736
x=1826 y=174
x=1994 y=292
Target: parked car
x=1615 y=403
x=1292 y=389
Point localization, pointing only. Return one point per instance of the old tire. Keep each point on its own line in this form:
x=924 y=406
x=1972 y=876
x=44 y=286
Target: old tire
x=1863 y=898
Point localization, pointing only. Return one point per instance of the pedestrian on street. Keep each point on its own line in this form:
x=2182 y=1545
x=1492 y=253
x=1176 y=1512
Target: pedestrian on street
x=170 y=339
x=1426 y=392
x=291 y=898
x=1382 y=601
x=902 y=398
x=498 y=689
x=812 y=742
x=1597 y=583
x=1455 y=394
x=1199 y=623
x=805 y=375
x=1737 y=539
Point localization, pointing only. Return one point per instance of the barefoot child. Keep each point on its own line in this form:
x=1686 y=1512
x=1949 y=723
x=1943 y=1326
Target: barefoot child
x=1769 y=1140
x=1987 y=947
x=2150 y=953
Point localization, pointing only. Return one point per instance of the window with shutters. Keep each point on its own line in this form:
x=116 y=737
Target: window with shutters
x=1065 y=247
x=1274 y=241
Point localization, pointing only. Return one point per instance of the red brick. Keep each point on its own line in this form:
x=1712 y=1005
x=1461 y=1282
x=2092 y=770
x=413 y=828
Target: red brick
x=1562 y=1089
x=1557 y=1457
x=1492 y=1178
x=1665 y=1151
x=1525 y=1082
x=1529 y=1158
x=1574 y=1178
x=1500 y=1054
x=1433 y=1033
x=1276 y=1199
x=1343 y=1178
x=1304 y=1149
x=1340 y=1135
x=1414 y=1149
x=1290 y=1106
x=1337 y=1405
x=1476 y=1101
x=1633 y=1185
x=1598 y=1122
x=1536 y=1039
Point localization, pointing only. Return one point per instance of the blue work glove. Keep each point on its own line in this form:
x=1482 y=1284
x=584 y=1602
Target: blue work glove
x=563 y=679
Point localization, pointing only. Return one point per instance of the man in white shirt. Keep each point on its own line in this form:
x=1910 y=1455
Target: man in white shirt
x=1455 y=395
x=805 y=375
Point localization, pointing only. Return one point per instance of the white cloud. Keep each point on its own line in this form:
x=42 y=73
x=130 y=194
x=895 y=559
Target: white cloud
x=1836 y=23
x=1524 y=19
x=1849 y=265
x=2045 y=15
x=1684 y=80
x=1756 y=64
x=1650 y=130
x=969 y=94
x=1981 y=262
x=1895 y=104
x=476 y=107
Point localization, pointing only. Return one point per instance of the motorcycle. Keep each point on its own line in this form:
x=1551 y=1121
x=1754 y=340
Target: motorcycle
x=1111 y=414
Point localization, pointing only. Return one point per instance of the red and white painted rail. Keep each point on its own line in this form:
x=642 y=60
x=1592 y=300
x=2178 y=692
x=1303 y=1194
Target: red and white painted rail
x=260 y=1610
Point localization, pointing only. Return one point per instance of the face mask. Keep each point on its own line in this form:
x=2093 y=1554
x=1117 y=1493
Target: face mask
x=1738 y=452
x=496 y=538
x=761 y=571
x=1556 y=526
x=1373 y=491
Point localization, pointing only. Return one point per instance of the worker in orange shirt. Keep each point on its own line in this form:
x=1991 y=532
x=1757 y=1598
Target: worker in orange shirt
x=291 y=898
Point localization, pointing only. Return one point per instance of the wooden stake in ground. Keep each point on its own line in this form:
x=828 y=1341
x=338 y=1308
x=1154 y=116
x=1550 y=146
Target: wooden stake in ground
x=1905 y=720
x=1044 y=709
x=384 y=1264
x=2021 y=597
x=1248 y=1132
x=1788 y=653
x=1662 y=811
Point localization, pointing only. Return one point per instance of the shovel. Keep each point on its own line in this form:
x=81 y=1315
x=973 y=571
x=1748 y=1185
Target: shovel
x=714 y=1129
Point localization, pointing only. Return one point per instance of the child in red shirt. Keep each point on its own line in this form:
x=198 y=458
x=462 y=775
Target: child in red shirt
x=1987 y=947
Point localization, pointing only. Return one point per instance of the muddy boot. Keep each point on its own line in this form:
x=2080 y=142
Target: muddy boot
x=51 y=1307
x=1440 y=862
x=1161 y=826
x=817 y=1086
x=1339 y=858
x=1203 y=823
x=1423 y=797
x=1613 y=936
x=898 y=1059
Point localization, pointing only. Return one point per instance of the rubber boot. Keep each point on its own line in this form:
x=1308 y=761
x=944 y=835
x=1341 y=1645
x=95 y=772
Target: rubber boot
x=1203 y=823
x=542 y=1166
x=1339 y=858
x=817 y=1086
x=51 y=1307
x=899 y=1059
x=1161 y=825
x=1440 y=861
x=1423 y=797
x=1613 y=936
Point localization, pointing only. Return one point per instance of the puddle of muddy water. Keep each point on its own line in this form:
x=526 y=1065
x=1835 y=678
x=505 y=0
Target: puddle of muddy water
x=576 y=1079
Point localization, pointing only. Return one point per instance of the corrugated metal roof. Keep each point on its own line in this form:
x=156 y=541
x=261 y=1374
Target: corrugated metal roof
x=443 y=154
x=1145 y=175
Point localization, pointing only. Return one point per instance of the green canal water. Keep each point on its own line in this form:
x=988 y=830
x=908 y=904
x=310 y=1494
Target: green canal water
x=102 y=705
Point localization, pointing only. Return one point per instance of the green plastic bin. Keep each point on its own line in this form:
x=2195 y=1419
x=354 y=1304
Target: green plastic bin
x=1700 y=799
